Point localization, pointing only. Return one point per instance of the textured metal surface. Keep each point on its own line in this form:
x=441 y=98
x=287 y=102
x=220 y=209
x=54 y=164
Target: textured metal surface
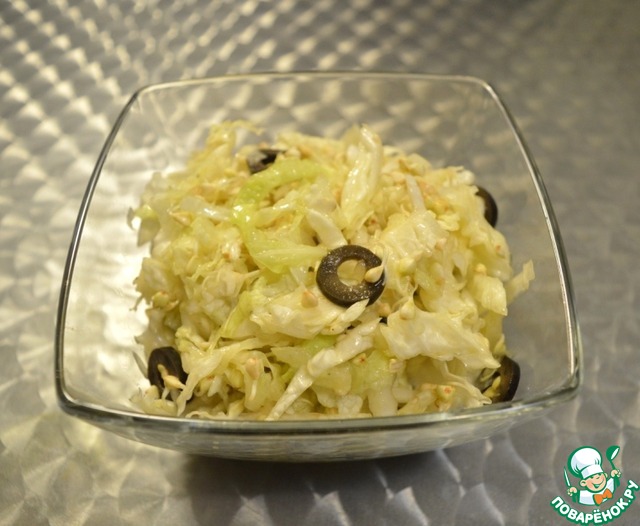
x=569 y=72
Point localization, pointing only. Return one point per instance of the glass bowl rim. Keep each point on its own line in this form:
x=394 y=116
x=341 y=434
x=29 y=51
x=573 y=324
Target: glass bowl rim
x=104 y=416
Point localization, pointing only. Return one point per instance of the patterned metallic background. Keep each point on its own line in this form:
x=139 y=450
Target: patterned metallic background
x=570 y=73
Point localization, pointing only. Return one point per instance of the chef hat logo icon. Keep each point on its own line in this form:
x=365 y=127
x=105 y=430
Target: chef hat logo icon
x=596 y=482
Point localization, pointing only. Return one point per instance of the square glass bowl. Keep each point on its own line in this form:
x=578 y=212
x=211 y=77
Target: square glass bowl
x=448 y=120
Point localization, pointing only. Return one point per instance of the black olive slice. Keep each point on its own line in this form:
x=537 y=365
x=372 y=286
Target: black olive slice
x=509 y=372
x=490 y=206
x=337 y=290
x=261 y=159
x=170 y=359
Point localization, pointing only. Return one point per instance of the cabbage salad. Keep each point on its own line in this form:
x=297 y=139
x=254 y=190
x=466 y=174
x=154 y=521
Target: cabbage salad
x=232 y=285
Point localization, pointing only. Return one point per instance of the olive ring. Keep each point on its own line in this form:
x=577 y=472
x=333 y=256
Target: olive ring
x=338 y=291
x=509 y=372
x=169 y=358
x=490 y=206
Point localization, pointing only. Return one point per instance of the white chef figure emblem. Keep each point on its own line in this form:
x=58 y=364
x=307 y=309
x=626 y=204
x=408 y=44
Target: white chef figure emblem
x=597 y=486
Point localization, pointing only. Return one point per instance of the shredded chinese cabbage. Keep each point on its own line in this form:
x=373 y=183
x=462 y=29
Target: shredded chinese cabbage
x=230 y=281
